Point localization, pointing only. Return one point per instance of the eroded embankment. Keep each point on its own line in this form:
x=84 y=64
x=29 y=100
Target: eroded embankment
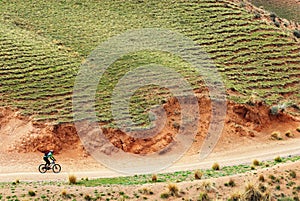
x=255 y=121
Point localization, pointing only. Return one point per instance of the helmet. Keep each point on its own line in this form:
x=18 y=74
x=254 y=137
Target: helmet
x=51 y=151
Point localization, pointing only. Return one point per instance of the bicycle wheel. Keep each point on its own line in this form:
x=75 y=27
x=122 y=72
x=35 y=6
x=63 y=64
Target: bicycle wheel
x=42 y=168
x=56 y=168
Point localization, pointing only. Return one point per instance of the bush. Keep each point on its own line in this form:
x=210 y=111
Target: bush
x=298 y=129
x=231 y=183
x=203 y=196
x=293 y=174
x=289 y=134
x=31 y=193
x=296 y=33
x=276 y=23
x=237 y=196
x=154 y=178
x=216 y=166
x=173 y=189
x=252 y=193
x=262 y=188
x=276 y=136
x=261 y=178
x=164 y=195
x=278 y=159
x=72 y=179
x=255 y=162
x=198 y=174
x=87 y=197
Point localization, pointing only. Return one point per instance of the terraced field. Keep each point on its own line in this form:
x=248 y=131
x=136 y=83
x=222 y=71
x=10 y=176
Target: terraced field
x=43 y=46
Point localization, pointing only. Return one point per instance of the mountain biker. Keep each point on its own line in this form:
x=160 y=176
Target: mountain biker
x=46 y=157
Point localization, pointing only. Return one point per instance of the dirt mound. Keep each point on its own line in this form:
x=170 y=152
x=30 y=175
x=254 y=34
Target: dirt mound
x=243 y=121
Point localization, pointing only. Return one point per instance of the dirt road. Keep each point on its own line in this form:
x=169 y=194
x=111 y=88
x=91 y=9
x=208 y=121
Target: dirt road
x=92 y=169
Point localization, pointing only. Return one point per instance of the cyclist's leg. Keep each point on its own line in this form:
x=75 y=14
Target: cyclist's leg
x=47 y=161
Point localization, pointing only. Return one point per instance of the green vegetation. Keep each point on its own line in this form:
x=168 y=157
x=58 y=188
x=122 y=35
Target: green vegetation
x=184 y=175
x=285 y=10
x=43 y=46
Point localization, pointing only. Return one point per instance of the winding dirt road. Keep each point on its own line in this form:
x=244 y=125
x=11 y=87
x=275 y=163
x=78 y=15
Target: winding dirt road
x=92 y=169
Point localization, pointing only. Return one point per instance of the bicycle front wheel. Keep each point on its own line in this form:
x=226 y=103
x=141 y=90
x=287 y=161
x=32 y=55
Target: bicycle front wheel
x=42 y=168
x=56 y=168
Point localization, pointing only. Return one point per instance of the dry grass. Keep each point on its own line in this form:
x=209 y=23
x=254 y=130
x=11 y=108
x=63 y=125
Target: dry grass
x=173 y=189
x=255 y=162
x=72 y=179
x=154 y=178
x=198 y=174
x=289 y=134
x=276 y=136
x=216 y=166
x=252 y=192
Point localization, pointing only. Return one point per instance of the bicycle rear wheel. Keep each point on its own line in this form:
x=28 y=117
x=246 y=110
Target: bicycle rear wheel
x=42 y=168
x=56 y=168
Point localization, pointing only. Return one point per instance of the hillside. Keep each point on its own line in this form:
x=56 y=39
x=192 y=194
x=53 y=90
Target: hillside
x=43 y=46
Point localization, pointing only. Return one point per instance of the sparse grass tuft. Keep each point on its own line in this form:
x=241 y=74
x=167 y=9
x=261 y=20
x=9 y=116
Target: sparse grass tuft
x=293 y=174
x=203 y=196
x=216 y=166
x=198 y=174
x=289 y=134
x=164 y=195
x=87 y=197
x=154 y=178
x=276 y=136
x=278 y=159
x=261 y=178
x=252 y=192
x=236 y=196
x=31 y=193
x=173 y=189
x=72 y=179
x=255 y=162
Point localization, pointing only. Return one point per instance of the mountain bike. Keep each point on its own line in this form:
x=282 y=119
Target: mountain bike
x=56 y=168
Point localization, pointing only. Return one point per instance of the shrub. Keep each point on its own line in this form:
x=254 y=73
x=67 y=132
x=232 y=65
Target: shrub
x=293 y=174
x=154 y=178
x=198 y=174
x=255 y=162
x=296 y=33
x=231 y=182
x=173 y=189
x=252 y=193
x=216 y=166
x=276 y=23
x=72 y=179
x=207 y=186
x=31 y=193
x=262 y=188
x=164 y=195
x=274 y=110
x=278 y=159
x=87 y=197
x=64 y=193
x=203 y=196
x=273 y=16
x=268 y=196
x=237 y=196
x=289 y=134
x=261 y=178
x=298 y=129
x=276 y=136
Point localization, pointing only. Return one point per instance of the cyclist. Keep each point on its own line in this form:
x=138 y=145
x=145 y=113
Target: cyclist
x=48 y=155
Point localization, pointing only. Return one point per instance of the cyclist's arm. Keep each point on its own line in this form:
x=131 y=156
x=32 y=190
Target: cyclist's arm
x=52 y=158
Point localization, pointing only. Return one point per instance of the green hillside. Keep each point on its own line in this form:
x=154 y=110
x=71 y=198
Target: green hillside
x=44 y=43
